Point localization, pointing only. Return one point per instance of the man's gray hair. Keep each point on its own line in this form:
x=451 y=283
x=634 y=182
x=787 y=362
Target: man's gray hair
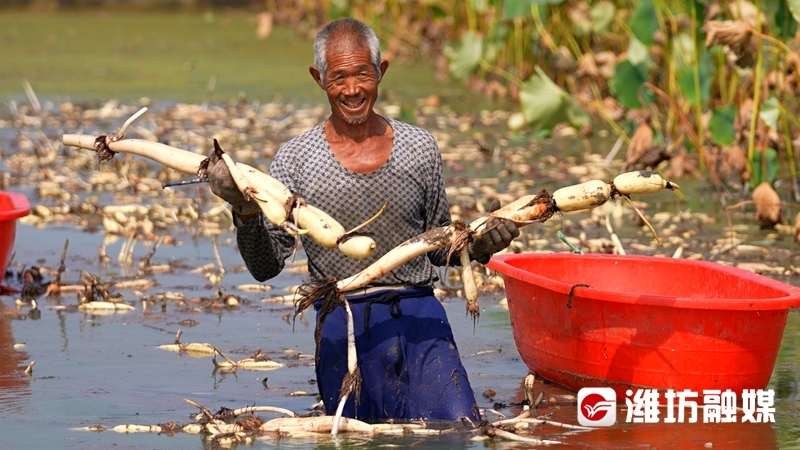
x=340 y=27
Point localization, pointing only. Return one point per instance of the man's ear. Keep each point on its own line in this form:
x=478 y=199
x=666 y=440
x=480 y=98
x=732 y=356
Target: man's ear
x=384 y=66
x=316 y=76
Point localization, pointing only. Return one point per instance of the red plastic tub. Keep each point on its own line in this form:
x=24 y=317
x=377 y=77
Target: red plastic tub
x=638 y=321
x=12 y=207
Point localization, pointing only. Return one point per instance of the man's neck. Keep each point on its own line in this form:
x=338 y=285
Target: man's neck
x=341 y=131
x=363 y=148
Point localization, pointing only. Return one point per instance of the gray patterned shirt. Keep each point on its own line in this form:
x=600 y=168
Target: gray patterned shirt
x=410 y=184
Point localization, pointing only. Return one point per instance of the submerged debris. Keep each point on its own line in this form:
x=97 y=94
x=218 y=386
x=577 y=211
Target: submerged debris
x=243 y=425
x=191 y=348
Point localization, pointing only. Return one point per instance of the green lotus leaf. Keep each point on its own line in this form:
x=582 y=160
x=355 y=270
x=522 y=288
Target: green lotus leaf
x=643 y=23
x=496 y=40
x=686 y=78
x=794 y=8
x=625 y=84
x=638 y=53
x=772 y=167
x=480 y=6
x=581 y=27
x=770 y=111
x=543 y=102
x=699 y=9
x=682 y=50
x=466 y=56
x=602 y=14
x=721 y=125
x=785 y=21
x=576 y=116
x=513 y=9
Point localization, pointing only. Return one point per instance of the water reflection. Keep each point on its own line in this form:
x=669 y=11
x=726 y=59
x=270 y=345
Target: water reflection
x=685 y=435
x=14 y=383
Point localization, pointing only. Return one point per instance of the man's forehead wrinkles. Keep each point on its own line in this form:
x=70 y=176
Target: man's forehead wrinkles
x=358 y=67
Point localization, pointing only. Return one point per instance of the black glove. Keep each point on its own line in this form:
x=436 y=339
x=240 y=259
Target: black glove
x=501 y=233
x=222 y=184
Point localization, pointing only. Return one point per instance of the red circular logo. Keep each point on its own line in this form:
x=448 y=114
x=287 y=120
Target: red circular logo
x=588 y=407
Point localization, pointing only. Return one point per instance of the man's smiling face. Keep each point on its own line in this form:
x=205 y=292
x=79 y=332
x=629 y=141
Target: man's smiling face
x=351 y=82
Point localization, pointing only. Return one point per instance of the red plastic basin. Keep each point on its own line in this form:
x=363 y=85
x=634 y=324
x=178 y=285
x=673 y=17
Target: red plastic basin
x=12 y=207
x=644 y=321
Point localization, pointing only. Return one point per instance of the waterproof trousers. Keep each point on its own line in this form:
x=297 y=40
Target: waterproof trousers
x=409 y=364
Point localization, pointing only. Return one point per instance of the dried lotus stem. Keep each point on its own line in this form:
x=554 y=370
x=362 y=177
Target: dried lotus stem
x=529 y=383
x=144 y=263
x=29 y=369
x=614 y=238
x=368 y=221
x=202 y=408
x=644 y=219
x=218 y=257
x=54 y=287
x=259 y=361
x=515 y=437
x=225 y=357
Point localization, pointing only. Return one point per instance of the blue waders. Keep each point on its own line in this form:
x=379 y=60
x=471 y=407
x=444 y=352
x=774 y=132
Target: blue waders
x=409 y=363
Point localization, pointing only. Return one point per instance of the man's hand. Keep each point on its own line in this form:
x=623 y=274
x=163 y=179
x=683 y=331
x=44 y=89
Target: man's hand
x=501 y=233
x=222 y=184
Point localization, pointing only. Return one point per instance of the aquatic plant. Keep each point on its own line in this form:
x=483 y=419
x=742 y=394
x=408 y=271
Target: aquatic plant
x=713 y=81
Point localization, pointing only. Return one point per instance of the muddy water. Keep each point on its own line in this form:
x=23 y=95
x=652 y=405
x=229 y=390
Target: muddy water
x=106 y=370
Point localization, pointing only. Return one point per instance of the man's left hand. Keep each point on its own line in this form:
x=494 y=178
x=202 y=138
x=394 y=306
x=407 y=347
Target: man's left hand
x=501 y=233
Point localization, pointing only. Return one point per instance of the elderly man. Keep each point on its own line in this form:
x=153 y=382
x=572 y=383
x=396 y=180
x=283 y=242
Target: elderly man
x=349 y=166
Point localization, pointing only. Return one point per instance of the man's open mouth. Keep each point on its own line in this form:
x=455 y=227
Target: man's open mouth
x=353 y=103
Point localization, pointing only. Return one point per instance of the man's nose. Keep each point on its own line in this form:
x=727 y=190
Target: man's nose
x=351 y=85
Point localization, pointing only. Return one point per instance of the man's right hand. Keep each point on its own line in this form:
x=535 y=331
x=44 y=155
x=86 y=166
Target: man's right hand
x=222 y=184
